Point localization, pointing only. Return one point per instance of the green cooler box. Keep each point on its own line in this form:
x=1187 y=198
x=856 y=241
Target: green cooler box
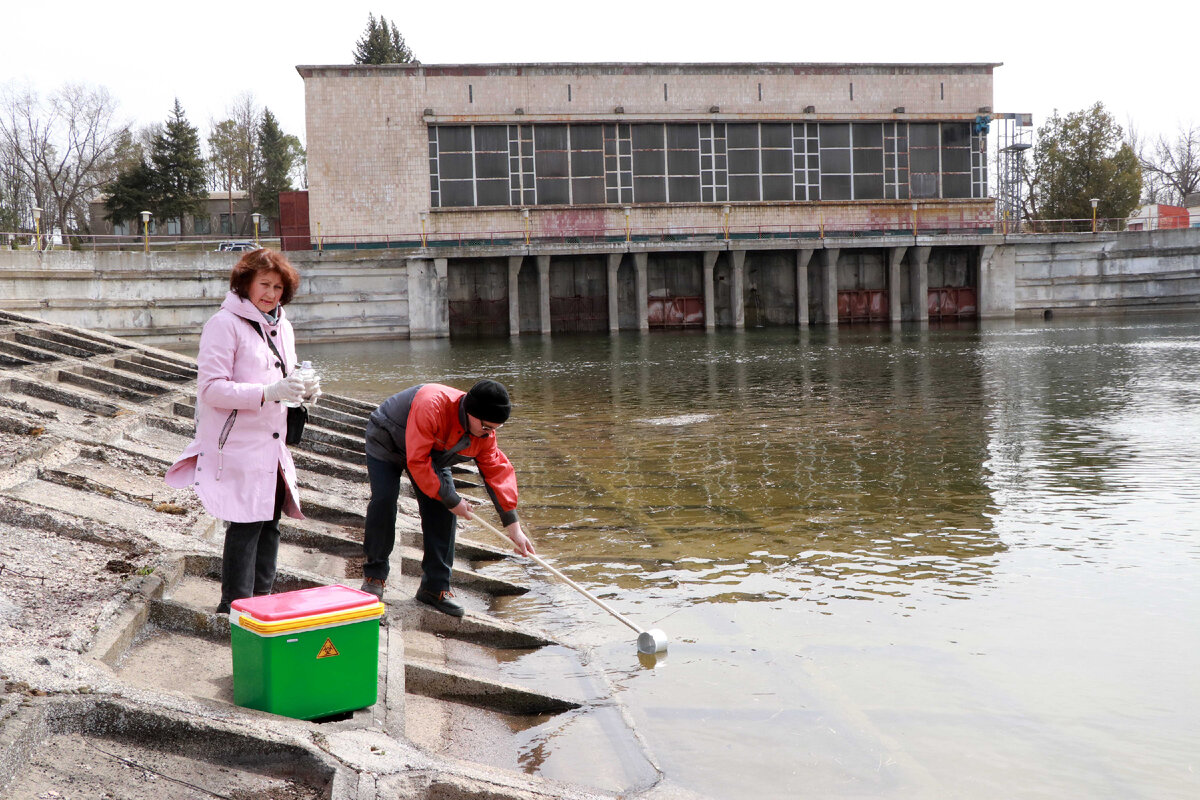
x=306 y=654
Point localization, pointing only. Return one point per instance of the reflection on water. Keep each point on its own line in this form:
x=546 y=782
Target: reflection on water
x=743 y=467
x=873 y=549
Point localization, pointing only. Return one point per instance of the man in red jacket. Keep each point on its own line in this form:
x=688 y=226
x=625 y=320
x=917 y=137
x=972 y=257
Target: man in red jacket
x=424 y=430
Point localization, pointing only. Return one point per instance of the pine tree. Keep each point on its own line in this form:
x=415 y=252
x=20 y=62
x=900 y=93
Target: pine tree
x=131 y=193
x=382 y=44
x=178 y=168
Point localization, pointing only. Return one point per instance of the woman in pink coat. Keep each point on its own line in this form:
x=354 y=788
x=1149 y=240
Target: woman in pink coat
x=238 y=463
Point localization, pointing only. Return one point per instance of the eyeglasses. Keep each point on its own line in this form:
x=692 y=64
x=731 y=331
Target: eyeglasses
x=489 y=429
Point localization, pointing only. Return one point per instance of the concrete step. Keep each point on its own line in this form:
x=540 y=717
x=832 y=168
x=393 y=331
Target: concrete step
x=444 y=684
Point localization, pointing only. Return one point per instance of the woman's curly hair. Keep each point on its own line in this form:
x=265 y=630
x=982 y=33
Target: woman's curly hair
x=262 y=260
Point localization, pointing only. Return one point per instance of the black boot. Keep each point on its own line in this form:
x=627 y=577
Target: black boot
x=442 y=601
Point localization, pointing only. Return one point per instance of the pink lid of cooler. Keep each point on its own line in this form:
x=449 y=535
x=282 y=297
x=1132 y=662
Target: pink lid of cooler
x=303 y=603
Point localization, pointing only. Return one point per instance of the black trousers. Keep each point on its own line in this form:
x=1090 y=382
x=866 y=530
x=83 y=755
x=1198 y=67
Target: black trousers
x=251 y=550
x=438 y=528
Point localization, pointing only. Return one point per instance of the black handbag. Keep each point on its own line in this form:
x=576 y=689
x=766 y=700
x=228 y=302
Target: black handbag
x=297 y=416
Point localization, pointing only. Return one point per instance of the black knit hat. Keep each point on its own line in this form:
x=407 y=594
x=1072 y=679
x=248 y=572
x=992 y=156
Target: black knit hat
x=488 y=400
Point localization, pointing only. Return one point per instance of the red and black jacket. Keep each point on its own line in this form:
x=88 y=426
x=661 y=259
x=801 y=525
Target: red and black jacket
x=424 y=429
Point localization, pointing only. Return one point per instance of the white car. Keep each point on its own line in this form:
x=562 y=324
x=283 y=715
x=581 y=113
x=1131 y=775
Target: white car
x=235 y=247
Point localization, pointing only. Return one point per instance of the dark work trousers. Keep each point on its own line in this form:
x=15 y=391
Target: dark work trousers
x=438 y=528
x=251 y=549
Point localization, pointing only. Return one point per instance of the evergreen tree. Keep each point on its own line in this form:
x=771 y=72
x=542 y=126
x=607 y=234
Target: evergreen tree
x=131 y=193
x=179 y=169
x=279 y=154
x=12 y=191
x=382 y=44
x=1079 y=157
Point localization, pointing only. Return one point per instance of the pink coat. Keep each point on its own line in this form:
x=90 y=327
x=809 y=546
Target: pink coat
x=239 y=445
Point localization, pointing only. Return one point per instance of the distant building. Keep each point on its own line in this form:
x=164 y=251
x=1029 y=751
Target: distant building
x=1192 y=204
x=1158 y=217
x=842 y=145
x=615 y=196
x=227 y=214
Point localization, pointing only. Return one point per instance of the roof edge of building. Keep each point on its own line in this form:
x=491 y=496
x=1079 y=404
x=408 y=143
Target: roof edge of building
x=634 y=68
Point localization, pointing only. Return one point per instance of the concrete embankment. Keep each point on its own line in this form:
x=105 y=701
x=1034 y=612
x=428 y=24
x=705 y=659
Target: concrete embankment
x=116 y=674
x=163 y=298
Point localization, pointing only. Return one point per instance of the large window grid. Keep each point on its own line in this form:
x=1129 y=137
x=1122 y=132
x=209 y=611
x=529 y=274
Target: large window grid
x=866 y=160
x=586 y=164
x=618 y=164
x=649 y=163
x=490 y=143
x=955 y=151
x=806 y=161
x=895 y=161
x=683 y=163
x=775 y=158
x=714 y=163
x=456 y=165
x=597 y=164
x=834 y=141
x=924 y=159
x=435 y=195
x=551 y=162
x=979 y=181
x=745 y=170
x=520 y=166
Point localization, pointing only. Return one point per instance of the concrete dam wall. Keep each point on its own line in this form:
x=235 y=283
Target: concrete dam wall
x=1126 y=272
x=164 y=298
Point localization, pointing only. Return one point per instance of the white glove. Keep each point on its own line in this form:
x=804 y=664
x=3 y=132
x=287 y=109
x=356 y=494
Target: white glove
x=312 y=391
x=289 y=390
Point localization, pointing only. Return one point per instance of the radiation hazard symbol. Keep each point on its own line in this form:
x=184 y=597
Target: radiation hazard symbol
x=328 y=650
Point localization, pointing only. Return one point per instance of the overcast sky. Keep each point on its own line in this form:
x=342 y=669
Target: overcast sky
x=1055 y=55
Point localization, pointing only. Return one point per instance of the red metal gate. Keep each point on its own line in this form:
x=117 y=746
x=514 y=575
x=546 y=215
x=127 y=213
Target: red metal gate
x=293 y=221
x=953 y=303
x=863 y=305
x=675 y=312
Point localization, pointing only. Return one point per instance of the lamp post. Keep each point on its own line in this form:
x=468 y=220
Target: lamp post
x=37 y=228
x=256 y=217
x=626 y=210
x=525 y=221
x=1095 y=202
x=146 y=215
x=424 y=217
x=725 y=215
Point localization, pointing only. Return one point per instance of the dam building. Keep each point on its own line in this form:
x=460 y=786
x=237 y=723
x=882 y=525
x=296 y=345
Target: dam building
x=591 y=197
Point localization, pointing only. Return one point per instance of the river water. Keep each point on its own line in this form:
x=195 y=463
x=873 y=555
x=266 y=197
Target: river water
x=953 y=562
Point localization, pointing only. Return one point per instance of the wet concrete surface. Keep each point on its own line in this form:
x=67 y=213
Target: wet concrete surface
x=117 y=675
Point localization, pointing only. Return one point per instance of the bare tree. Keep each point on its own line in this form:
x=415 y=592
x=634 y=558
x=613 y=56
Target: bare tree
x=234 y=157
x=64 y=149
x=223 y=159
x=246 y=115
x=1172 y=170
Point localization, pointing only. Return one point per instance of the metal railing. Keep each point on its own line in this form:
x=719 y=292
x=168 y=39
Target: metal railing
x=26 y=240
